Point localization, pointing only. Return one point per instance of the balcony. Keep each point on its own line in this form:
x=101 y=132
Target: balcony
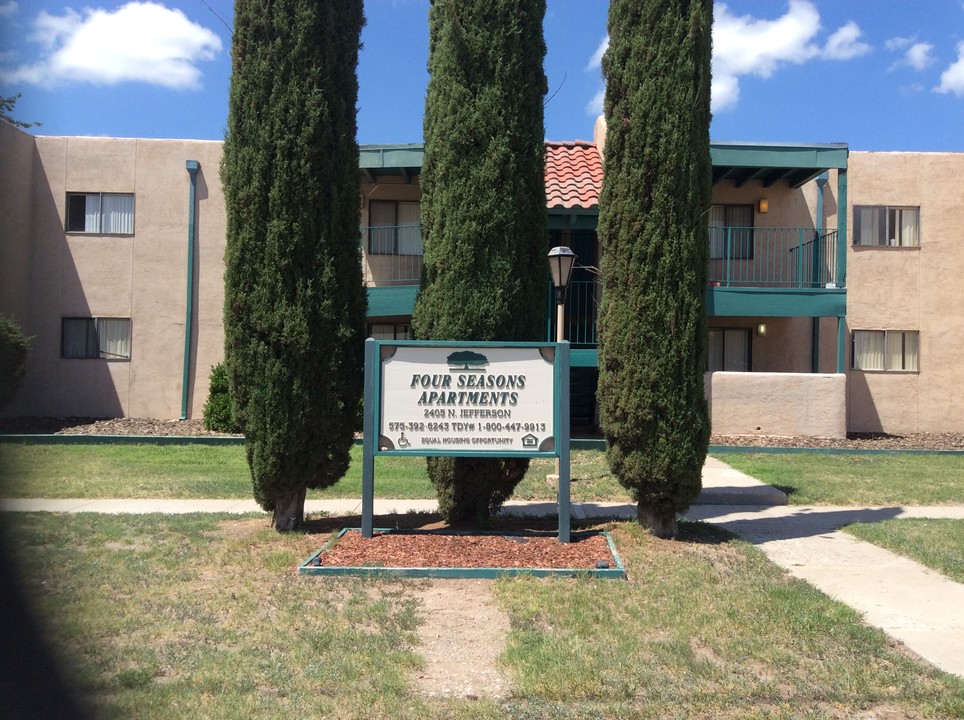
x=582 y=305
x=392 y=255
x=759 y=257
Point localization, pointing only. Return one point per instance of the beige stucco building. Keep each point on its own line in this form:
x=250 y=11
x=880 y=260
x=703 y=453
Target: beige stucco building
x=832 y=303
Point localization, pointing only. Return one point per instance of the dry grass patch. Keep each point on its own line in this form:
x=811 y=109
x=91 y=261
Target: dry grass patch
x=204 y=616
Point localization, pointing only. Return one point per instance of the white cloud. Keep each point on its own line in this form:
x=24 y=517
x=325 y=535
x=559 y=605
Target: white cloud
x=845 y=43
x=594 y=108
x=920 y=55
x=595 y=62
x=916 y=55
x=8 y=8
x=139 y=42
x=952 y=79
x=745 y=45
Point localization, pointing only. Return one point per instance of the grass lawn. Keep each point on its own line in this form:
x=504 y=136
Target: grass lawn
x=858 y=479
x=938 y=544
x=203 y=616
x=192 y=471
x=201 y=471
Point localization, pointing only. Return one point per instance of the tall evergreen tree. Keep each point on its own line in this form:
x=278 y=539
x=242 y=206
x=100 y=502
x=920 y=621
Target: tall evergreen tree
x=653 y=230
x=483 y=205
x=295 y=306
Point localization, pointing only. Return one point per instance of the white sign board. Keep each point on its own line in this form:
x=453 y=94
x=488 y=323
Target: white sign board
x=479 y=400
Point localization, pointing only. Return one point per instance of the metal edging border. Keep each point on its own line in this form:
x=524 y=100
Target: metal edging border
x=612 y=573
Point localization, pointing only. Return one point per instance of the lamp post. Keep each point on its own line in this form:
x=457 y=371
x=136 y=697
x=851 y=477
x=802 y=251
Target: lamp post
x=561 y=260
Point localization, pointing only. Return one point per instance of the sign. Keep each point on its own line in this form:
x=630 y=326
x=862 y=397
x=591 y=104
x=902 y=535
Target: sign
x=485 y=399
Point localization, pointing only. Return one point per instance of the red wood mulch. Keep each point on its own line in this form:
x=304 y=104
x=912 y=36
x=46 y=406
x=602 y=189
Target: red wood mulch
x=438 y=550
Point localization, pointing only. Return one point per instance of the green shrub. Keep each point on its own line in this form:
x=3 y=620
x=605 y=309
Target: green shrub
x=218 y=413
x=13 y=358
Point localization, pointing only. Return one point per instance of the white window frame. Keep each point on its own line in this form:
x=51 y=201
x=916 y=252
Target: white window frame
x=91 y=338
x=395 y=238
x=104 y=214
x=885 y=351
x=886 y=226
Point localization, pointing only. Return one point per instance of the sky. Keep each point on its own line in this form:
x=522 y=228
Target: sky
x=884 y=75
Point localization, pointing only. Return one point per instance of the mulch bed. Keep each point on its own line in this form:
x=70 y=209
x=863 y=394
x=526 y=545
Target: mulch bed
x=442 y=550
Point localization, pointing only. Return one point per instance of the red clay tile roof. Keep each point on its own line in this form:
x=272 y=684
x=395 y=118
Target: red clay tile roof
x=573 y=175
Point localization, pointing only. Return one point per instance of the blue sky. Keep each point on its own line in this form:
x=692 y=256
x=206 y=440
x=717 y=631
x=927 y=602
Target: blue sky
x=876 y=74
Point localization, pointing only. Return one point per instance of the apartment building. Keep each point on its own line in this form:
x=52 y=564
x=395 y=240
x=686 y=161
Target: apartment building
x=830 y=303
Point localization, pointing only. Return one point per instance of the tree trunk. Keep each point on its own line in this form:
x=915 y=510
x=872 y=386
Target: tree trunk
x=289 y=510
x=662 y=525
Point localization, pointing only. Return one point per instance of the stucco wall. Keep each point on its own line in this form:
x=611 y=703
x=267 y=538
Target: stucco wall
x=777 y=404
x=142 y=277
x=910 y=288
x=16 y=179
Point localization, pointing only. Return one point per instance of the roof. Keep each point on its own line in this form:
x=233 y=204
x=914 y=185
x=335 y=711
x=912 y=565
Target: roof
x=574 y=174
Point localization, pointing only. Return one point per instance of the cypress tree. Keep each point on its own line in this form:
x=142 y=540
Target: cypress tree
x=653 y=230
x=483 y=205
x=295 y=306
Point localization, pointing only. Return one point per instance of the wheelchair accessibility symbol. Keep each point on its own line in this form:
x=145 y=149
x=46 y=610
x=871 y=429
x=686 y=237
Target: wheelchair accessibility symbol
x=403 y=441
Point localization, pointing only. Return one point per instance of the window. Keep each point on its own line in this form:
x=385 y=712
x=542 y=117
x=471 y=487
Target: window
x=108 y=338
x=882 y=225
x=728 y=349
x=895 y=350
x=389 y=331
x=731 y=232
x=394 y=228
x=100 y=213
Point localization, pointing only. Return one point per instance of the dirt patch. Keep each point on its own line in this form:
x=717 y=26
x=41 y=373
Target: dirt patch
x=462 y=635
x=441 y=550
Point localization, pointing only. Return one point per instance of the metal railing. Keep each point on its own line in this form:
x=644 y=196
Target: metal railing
x=772 y=257
x=391 y=254
x=582 y=304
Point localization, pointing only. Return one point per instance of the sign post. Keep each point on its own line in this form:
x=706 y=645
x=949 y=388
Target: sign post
x=466 y=400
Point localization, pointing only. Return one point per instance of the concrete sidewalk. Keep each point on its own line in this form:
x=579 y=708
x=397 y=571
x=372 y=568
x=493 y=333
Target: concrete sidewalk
x=917 y=606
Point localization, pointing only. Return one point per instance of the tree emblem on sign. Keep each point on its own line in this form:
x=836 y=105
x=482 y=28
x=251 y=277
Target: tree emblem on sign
x=467 y=360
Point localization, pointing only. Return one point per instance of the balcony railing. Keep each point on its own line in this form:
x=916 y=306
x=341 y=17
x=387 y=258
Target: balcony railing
x=582 y=304
x=772 y=257
x=392 y=254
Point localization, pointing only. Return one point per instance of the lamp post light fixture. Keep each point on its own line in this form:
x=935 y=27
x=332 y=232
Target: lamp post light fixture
x=561 y=260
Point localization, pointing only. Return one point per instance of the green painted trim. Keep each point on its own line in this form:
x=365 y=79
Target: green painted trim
x=397 y=300
x=611 y=573
x=192 y=166
x=842 y=243
x=391 y=157
x=587 y=444
x=584 y=358
x=779 y=155
x=573 y=219
x=776 y=302
x=63 y=439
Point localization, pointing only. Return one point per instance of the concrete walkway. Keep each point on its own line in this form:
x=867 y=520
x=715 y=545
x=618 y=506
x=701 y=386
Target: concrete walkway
x=911 y=603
